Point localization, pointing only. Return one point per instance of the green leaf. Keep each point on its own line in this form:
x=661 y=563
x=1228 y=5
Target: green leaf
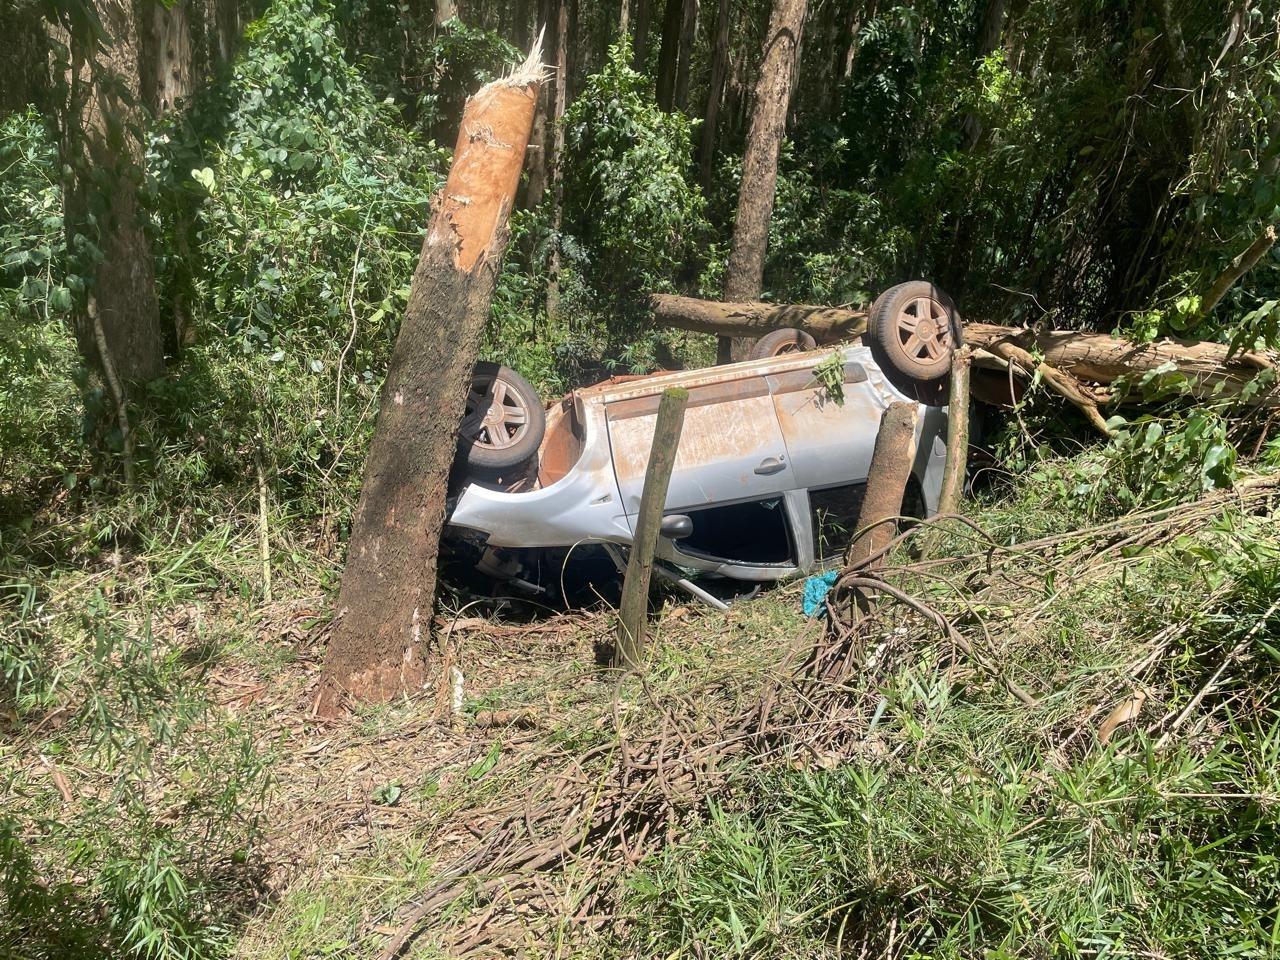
x=204 y=177
x=387 y=794
x=487 y=763
x=60 y=299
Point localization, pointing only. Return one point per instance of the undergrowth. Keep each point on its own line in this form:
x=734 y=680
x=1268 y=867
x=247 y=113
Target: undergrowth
x=969 y=825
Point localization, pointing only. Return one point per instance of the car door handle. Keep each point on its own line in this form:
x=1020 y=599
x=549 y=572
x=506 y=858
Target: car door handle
x=770 y=465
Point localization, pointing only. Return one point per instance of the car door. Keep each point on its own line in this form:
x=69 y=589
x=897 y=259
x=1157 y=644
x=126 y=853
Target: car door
x=731 y=448
x=827 y=442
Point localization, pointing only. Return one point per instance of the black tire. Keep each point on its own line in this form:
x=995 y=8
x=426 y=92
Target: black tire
x=504 y=421
x=778 y=342
x=914 y=328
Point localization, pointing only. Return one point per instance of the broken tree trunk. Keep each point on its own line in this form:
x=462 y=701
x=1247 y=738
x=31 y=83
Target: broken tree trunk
x=388 y=585
x=891 y=460
x=1211 y=370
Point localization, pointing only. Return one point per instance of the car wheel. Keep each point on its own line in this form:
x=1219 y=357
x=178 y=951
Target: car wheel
x=786 y=340
x=504 y=421
x=914 y=328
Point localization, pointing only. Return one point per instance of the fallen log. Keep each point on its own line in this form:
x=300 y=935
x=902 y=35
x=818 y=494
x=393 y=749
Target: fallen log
x=1211 y=370
x=754 y=319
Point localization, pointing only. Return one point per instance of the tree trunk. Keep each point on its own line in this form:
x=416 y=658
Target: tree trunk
x=557 y=150
x=715 y=93
x=537 y=159
x=574 y=70
x=102 y=140
x=624 y=19
x=24 y=58
x=640 y=55
x=1212 y=371
x=688 y=34
x=669 y=53
x=228 y=29
x=520 y=26
x=1236 y=269
x=744 y=277
x=989 y=35
x=891 y=460
x=446 y=10
x=755 y=319
x=388 y=585
x=862 y=12
x=168 y=76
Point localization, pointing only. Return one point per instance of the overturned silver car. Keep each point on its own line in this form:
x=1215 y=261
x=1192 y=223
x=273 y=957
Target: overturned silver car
x=770 y=469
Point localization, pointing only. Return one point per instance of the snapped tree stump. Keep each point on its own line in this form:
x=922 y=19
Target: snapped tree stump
x=387 y=596
x=891 y=460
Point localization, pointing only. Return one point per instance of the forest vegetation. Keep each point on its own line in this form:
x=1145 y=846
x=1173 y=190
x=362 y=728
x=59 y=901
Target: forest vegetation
x=211 y=213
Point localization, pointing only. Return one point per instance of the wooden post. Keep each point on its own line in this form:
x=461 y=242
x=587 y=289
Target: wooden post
x=634 y=612
x=957 y=433
x=891 y=461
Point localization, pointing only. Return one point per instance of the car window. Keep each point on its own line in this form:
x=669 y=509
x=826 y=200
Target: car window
x=834 y=512
x=756 y=533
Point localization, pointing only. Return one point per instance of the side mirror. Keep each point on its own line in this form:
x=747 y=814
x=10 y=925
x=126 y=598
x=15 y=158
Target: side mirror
x=676 y=527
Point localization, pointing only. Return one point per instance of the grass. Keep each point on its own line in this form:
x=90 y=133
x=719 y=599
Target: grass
x=202 y=812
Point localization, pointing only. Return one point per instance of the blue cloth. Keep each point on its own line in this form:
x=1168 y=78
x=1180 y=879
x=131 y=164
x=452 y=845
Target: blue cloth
x=816 y=589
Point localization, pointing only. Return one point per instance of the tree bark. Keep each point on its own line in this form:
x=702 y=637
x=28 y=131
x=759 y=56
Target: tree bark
x=228 y=25
x=891 y=460
x=536 y=187
x=102 y=146
x=753 y=319
x=446 y=10
x=953 y=474
x=555 y=162
x=640 y=48
x=669 y=53
x=24 y=58
x=862 y=12
x=388 y=585
x=169 y=70
x=715 y=94
x=744 y=276
x=688 y=33
x=633 y=611
x=1211 y=370
x=624 y=18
